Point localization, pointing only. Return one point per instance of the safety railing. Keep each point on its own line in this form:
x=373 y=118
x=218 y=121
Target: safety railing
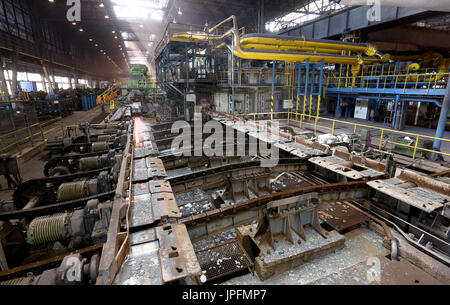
x=22 y=97
x=384 y=82
x=108 y=95
x=331 y=124
x=18 y=139
x=265 y=116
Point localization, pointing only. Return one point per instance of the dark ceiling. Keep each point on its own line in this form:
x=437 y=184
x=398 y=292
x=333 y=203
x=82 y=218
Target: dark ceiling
x=95 y=26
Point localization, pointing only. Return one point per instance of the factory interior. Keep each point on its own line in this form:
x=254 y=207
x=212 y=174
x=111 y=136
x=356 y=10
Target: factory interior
x=220 y=143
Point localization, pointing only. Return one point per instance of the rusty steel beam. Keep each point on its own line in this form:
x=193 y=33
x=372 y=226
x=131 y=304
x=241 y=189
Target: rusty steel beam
x=231 y=216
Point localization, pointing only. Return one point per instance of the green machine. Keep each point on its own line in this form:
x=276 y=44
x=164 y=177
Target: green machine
x=140 y=78
x=406 y=147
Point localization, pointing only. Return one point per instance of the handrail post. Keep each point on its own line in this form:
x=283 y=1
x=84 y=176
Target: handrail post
x=415 y=147
x=42 y=132
x=17 y=144
x=381 y=139
x=332 y=129
x=30 y=136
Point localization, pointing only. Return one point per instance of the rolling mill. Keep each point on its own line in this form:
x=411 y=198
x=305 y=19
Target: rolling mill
x=234 y=143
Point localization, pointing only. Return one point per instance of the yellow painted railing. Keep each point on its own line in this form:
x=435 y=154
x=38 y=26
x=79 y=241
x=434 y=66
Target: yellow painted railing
x=23 y=97
x=110 y=94
x=313 y=121
x=17 y=139
x=424 y=81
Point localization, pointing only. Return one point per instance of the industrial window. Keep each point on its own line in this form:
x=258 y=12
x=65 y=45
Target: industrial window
x=22 y=76
x=15 y=19
x=40 y=86
x=34 y=77
x=311 y=10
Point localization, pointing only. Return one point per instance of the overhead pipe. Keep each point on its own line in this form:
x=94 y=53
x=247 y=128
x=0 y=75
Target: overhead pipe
x=431 y=5
x=290 y=48
x=289 y=41
x=276 y=41
x=272 y=54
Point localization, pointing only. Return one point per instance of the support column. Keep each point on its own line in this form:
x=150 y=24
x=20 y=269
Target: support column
x=14 y=74
x=261 y=23
x=442 y=118
x=338 y=107
x=47 y=77
x=3 y=85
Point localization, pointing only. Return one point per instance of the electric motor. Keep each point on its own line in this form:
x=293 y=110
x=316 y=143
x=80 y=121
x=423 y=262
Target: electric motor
x=72 y=190
x=84 y=188
x=90 y=163
x=100 y=146
x=103 y=138
x=47 y=229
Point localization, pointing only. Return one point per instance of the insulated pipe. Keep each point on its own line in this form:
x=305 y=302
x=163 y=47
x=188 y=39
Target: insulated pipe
x=274 y=55
x=290 y=48
x=442 y=119
x=283 y=40
x=431 y=5
x=289 y=41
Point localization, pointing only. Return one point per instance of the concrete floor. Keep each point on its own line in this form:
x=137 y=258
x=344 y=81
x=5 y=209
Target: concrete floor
x=34 y=167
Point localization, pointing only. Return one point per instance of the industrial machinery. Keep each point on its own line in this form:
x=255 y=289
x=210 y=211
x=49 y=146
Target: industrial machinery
x=45 y=191
x=83 y=162
x=73 y=270
x=50 y=235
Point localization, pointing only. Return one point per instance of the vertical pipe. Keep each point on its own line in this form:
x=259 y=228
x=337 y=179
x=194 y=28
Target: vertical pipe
x=394 y=120
x=273 y=91
x=232 y=78
x=298 y=89
x=442 y=118
x=306 y=87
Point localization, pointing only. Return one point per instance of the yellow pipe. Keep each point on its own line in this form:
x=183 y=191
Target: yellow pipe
x=367 y=49
x=290 y=48
x=280 y=56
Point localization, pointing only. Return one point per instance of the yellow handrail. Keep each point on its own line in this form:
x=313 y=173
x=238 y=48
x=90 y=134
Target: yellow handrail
x=24 y=140
x=316 y=120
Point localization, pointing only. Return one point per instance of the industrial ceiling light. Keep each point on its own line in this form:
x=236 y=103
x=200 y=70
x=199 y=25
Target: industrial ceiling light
x=174 y=20
x=101 y=5
x=141 y=25
x=114 y=32
x=74 y=23
x=106 y=17
x=179 y=11
x=51 y=1
x=90 y=39
x=96 y=45
x=115 y=37
x=81 y=30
